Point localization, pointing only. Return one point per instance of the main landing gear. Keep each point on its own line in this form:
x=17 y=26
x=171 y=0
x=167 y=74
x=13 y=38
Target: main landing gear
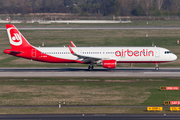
x=156 y=68
x=91 y=67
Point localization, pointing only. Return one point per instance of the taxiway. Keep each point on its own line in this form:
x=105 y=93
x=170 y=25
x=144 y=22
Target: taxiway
x=94 y=28
x=94 y=117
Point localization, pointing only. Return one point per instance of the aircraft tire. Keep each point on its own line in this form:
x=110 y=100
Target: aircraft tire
x=91 y=67
x=156 y=68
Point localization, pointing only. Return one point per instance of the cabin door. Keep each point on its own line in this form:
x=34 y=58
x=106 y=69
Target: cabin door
x=80 y=52
x=33 y=53
x=157 y=53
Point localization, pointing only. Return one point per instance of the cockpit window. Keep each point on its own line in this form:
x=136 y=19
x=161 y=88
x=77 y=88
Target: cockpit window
x=167 y=52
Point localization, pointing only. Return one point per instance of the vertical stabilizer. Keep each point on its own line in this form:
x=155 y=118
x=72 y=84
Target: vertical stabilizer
x=17 y=40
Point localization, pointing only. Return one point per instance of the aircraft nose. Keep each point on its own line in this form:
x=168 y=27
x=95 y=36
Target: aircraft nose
x=174 y=57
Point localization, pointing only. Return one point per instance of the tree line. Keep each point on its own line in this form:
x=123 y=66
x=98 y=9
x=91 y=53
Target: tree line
x=93 y=7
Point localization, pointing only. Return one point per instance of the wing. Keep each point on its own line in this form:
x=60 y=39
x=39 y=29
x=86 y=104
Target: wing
x=82 y=58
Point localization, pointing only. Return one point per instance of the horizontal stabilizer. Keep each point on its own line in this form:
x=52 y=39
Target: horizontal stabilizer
x=9 y=51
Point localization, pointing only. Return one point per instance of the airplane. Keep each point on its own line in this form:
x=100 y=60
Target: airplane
x=107 y=57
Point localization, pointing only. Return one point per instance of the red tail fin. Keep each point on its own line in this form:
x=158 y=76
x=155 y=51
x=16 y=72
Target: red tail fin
x=17 y=40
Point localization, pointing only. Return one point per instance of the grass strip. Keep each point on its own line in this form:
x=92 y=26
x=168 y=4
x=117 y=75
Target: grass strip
x=87 y=91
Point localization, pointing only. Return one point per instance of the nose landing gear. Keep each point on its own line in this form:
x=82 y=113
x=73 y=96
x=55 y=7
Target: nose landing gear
x=156 y=68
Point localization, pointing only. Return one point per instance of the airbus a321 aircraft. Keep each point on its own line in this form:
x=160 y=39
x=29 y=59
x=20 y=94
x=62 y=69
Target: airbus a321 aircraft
x=107 y=57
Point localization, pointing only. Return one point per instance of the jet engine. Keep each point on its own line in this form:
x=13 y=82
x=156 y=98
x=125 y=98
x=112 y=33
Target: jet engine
x=107 y=63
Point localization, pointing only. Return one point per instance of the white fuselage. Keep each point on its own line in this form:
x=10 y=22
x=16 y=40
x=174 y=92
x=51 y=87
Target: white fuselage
x=120 y=54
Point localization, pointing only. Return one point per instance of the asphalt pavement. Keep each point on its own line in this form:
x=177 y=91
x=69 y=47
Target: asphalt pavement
x=83 y=72
x=92 y=117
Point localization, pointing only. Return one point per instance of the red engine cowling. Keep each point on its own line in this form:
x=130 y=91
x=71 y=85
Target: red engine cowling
x=109 y=64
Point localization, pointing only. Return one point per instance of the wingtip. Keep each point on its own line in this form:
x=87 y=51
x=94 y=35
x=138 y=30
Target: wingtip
x=73 y=45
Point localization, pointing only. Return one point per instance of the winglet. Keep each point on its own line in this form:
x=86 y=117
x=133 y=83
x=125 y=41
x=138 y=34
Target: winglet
x=73 y=45
x=72 y=52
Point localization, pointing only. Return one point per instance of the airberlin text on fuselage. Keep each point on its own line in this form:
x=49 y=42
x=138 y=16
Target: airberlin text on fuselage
x=136 y=53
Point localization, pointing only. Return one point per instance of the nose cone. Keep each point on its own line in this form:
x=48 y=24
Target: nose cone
x=174 y=57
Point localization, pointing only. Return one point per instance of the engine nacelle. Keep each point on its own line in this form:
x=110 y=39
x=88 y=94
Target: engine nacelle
x=107 y=63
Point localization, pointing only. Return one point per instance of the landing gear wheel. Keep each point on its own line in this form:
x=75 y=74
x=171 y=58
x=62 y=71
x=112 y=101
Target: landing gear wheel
x=91 y=67
x=157 y=68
